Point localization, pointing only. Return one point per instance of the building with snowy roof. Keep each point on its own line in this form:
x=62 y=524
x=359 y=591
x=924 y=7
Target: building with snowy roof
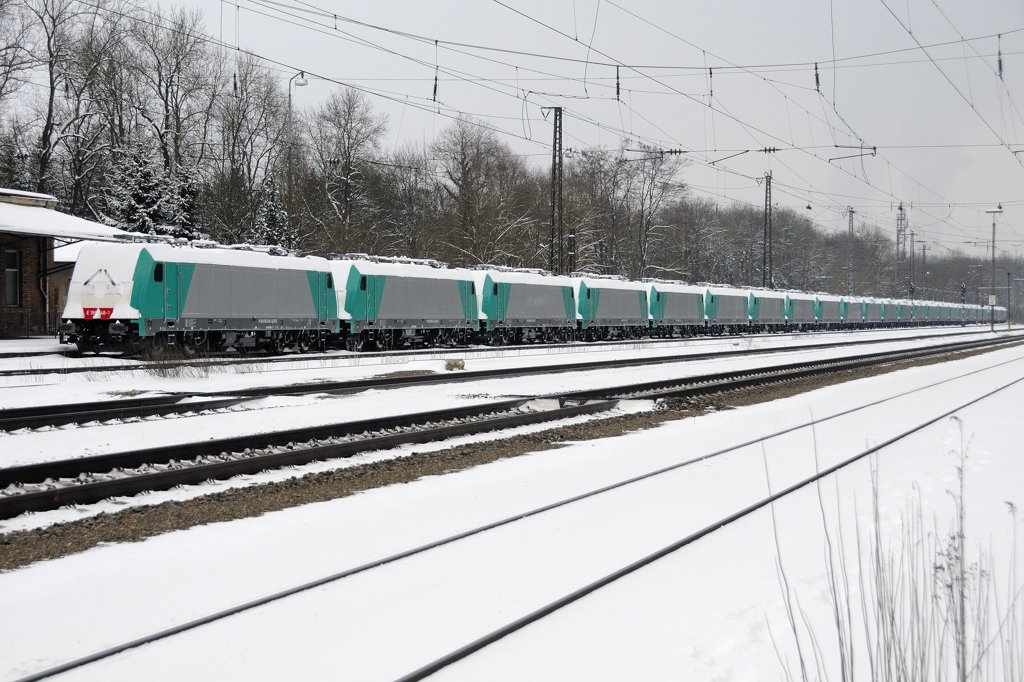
x=34 y=285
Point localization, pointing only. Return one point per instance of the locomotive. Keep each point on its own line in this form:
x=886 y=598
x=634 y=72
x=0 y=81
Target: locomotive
x=201 y=297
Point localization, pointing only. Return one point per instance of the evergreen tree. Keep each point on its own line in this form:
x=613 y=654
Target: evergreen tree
x=134 y=192
x=180 y=207
x=271 y=225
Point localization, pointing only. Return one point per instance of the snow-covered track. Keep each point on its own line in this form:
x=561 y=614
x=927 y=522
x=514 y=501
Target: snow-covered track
x=539 y=614
x=50 y=485
x=730 y=381
x=562 y=367
x=39 y=487
x=234 y=359
x=119 y=410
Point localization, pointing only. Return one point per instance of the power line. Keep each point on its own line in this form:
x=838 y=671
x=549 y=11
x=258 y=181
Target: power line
x=950 y=81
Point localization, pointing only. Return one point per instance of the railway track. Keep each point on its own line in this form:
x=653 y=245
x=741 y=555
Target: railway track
x=166 y=405
x=50 y=485
x=119 y=410
x=538 y=614
x=568 y=598
x=40 y=487
x=232 y=359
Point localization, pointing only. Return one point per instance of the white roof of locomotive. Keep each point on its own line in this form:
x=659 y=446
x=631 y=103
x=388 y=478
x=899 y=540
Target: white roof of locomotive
x=368 y=267
x=722 y=290
x=767 y=293
x=676 y=287
x=126 y=255
x=522 y=277
x=612 y=283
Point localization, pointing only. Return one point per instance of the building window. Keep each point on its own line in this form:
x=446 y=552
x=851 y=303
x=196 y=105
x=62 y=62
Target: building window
x=12 y=278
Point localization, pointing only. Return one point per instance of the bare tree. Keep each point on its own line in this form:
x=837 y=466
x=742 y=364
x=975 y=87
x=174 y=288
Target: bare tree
x=484 y=188
x=344 y=133
x=16 y=36
x=249 y=122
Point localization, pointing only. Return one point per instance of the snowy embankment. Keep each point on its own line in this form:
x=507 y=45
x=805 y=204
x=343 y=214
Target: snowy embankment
x=703 y=612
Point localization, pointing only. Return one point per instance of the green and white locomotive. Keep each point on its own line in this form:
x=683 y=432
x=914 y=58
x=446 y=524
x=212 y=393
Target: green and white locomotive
x=136 y=295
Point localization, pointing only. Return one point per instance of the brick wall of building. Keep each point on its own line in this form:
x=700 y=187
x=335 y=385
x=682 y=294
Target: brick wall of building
x=28 y=315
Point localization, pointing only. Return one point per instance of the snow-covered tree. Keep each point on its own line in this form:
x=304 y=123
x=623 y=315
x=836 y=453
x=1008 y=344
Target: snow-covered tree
x=271 y=226
x=134 y=192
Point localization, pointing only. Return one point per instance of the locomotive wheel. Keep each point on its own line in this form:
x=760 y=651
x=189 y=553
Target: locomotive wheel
x=193 y=343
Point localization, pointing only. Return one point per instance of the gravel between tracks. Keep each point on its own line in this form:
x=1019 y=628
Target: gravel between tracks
x=24 y=547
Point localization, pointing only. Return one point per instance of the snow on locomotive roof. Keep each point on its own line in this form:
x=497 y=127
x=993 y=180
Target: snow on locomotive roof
x=608 y=282
x=128 y=254
x=725 y=290
x=405 y=269
x=675 y=286
x=515 y=276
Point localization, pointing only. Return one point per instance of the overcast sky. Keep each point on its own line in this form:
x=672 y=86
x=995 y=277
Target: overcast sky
x=941 y=151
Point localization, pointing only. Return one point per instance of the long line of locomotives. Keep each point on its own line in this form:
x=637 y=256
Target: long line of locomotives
x=201 y=298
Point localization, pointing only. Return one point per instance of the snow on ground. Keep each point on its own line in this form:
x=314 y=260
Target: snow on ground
x=84 y=387
x=288 y=412
x=702 y=613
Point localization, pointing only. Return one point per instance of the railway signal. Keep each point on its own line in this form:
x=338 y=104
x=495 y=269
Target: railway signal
x=912 y=289
x=963 y=292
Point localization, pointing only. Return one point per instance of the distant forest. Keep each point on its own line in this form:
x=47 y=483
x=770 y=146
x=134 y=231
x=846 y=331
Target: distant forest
x=132 y=117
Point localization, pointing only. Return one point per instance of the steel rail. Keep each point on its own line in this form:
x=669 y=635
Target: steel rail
x=91 y=492
x=744 y=378
x=80 y=413
x=205 y=620
x=87 y=493
x=505 y=372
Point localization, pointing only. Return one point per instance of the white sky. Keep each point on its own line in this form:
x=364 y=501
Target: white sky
x=892 y=101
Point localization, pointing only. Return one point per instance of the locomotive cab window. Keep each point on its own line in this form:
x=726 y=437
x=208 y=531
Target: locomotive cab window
x=158 y=272
x=657 y=297
x=472 y=288
x=362 y=283
x=330 y=281
x=588 y=294
x=494 y=291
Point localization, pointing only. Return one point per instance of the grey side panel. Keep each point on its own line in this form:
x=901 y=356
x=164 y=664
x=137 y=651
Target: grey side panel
x=224 y=291
x=618 y=305
x=731 y=309
x=773 y=310
x=830 y=311
x=534 y=301
x=874 y=312
x=803 y=311
x=685 y=308
x=420 y=298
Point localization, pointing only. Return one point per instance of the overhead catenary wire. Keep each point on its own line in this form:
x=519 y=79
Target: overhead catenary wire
x=451 y=113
